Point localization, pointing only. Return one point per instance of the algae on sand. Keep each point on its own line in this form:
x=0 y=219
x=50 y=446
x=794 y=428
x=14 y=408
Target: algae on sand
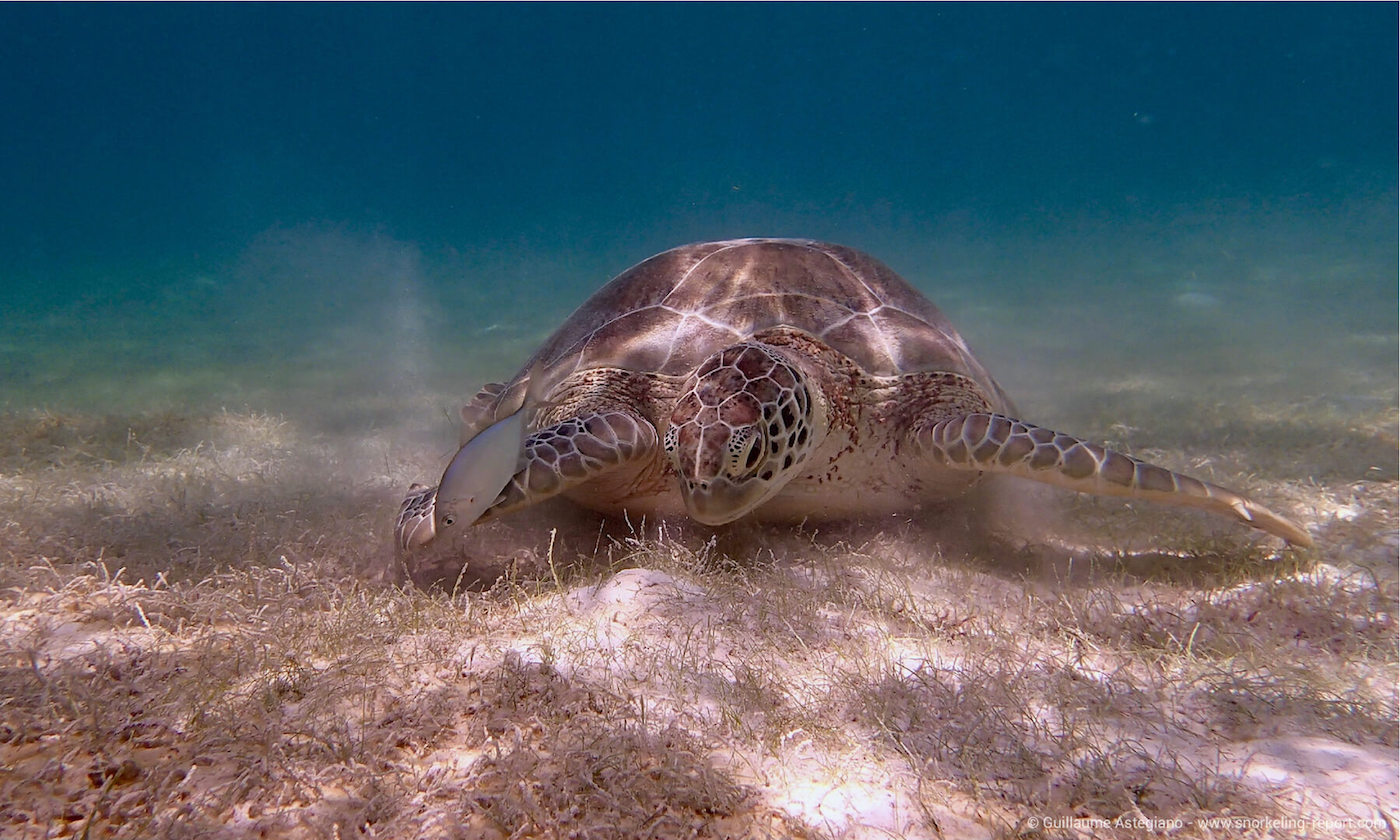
x=192 y=640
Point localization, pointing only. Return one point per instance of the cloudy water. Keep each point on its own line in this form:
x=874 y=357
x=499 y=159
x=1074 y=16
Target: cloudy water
x=1167 y=225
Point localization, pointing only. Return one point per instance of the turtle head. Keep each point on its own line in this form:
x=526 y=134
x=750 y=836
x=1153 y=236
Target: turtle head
x=743 y=427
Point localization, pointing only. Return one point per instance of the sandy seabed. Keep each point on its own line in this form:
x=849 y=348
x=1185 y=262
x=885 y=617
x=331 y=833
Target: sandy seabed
x=203 y=632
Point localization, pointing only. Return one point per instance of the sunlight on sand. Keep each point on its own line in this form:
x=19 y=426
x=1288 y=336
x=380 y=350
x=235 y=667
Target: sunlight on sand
x=203 y=629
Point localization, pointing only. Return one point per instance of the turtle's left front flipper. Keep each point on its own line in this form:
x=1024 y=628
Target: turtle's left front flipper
x=992 y=443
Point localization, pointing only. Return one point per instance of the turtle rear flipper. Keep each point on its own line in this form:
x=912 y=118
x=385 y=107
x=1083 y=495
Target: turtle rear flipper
x=992 y=443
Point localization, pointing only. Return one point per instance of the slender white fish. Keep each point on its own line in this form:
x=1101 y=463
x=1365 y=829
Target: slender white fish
x=484 y=465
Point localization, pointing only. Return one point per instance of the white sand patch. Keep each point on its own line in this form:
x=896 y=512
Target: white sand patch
x=1324 y=778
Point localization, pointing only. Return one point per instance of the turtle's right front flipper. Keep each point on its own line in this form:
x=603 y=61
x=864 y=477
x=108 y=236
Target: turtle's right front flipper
x=574 y=451
x=992 y=443
x=555 y=459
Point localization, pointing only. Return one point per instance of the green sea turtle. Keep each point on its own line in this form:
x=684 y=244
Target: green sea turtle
x=772 y=378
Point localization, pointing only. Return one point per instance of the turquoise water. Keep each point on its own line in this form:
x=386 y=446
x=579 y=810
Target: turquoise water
x=1173 y=221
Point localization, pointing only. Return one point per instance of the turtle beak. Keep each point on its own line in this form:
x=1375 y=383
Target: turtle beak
x=719 y=501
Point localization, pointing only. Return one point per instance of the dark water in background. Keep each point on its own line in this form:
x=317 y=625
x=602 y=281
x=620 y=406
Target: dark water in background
x=353 y=215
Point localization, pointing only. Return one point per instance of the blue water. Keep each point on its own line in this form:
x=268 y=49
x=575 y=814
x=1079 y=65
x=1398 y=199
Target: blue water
x=349 y=215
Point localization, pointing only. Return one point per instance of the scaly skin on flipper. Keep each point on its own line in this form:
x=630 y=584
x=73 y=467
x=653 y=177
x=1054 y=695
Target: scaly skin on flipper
x=991 y=443
x=414 y=526
x=562 y=456
x=573 y=452
x=481 y=411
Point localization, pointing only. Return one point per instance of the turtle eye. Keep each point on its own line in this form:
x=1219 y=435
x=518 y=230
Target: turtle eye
x=743 y=452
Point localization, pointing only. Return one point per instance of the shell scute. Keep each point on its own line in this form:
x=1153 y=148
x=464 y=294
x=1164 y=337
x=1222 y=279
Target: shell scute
x=922 y=348
x=637 y=340
x=668 y=313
